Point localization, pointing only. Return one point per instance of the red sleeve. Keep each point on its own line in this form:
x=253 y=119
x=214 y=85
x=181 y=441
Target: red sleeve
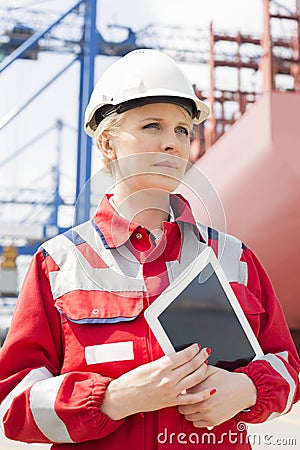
x=276 y=375
x=30 y=369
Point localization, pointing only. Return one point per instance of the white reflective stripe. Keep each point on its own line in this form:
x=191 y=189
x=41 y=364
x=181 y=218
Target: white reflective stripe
x=76 y=273
x=280 y=368
x=120 y=260
x=126 y=261
x=90 y=235
x=63 y=282
x=191 y=248
x=32 y=377
x=284 y=355
x=229 y=254
x=42 y=404
x=108 y=278
x=60 y=249
x=115 y=351
x=243 y=273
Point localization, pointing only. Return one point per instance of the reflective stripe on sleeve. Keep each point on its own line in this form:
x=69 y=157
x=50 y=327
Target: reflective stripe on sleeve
x=29 y=380
x=42 y=404
x=280 y=368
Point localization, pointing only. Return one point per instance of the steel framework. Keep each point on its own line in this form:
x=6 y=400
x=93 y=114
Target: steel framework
x=273 y=56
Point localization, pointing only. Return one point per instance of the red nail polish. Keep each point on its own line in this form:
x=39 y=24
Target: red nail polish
x=213 y=391
x=206 y=362
x=208 y=351
x=199 y=346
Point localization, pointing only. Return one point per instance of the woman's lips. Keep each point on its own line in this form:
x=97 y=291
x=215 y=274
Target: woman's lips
x=167 y=164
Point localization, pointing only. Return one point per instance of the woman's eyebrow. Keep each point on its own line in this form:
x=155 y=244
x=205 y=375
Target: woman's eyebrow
x=159 y=119
x=184 y=123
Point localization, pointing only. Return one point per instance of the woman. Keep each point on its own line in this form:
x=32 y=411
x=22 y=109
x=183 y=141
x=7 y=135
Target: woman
x=80 y=367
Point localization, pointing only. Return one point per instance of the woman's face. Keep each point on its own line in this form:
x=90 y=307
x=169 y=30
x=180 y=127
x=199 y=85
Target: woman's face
x=152 y=148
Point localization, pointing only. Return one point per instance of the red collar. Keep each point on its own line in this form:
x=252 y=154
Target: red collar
x=115 y=230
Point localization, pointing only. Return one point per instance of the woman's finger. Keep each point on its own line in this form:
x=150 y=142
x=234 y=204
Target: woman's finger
x=191 y=366
x=193 y=379
x=180 y=358
x=190 y=399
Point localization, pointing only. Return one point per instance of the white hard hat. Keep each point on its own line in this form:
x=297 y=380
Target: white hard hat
x=141 y=77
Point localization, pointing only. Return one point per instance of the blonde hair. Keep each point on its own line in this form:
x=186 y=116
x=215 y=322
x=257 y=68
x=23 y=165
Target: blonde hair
x=112 y=124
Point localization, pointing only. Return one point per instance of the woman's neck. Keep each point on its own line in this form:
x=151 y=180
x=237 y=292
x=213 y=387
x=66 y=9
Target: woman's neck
x=148 y=207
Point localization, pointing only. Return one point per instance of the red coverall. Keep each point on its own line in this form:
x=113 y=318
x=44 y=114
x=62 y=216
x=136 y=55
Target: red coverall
x=79 y=323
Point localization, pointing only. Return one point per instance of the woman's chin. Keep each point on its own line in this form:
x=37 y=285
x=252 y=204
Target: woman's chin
x=165 y=182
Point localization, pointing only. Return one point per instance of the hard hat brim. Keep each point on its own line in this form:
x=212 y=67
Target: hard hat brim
x=198 y=110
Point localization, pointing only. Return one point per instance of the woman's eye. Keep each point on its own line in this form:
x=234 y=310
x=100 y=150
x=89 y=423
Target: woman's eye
x=152 y=125
x=182 y=130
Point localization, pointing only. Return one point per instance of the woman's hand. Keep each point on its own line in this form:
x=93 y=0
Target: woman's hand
x=158 y=384
x=234 y=392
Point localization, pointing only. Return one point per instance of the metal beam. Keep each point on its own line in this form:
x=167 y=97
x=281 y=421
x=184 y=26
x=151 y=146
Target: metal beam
x=84 y=144
x=16 y=111
x=30 y=42
x=26 y=146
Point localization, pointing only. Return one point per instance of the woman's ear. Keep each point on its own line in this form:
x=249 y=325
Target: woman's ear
x=105 y=145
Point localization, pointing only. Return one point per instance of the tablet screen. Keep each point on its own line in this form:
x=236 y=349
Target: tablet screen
x=202 y=313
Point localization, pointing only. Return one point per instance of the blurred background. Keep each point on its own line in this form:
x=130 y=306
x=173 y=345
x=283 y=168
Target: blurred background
x=243 y=59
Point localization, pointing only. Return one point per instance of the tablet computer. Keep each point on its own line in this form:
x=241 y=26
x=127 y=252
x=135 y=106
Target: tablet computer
x=200 y=306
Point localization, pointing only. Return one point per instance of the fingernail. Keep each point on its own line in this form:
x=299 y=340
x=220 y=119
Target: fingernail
x=206 y=362
x=199 y=346
x=208 y=351
x=213 y=391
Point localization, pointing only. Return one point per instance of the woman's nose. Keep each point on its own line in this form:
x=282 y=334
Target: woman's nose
x=170 y=143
